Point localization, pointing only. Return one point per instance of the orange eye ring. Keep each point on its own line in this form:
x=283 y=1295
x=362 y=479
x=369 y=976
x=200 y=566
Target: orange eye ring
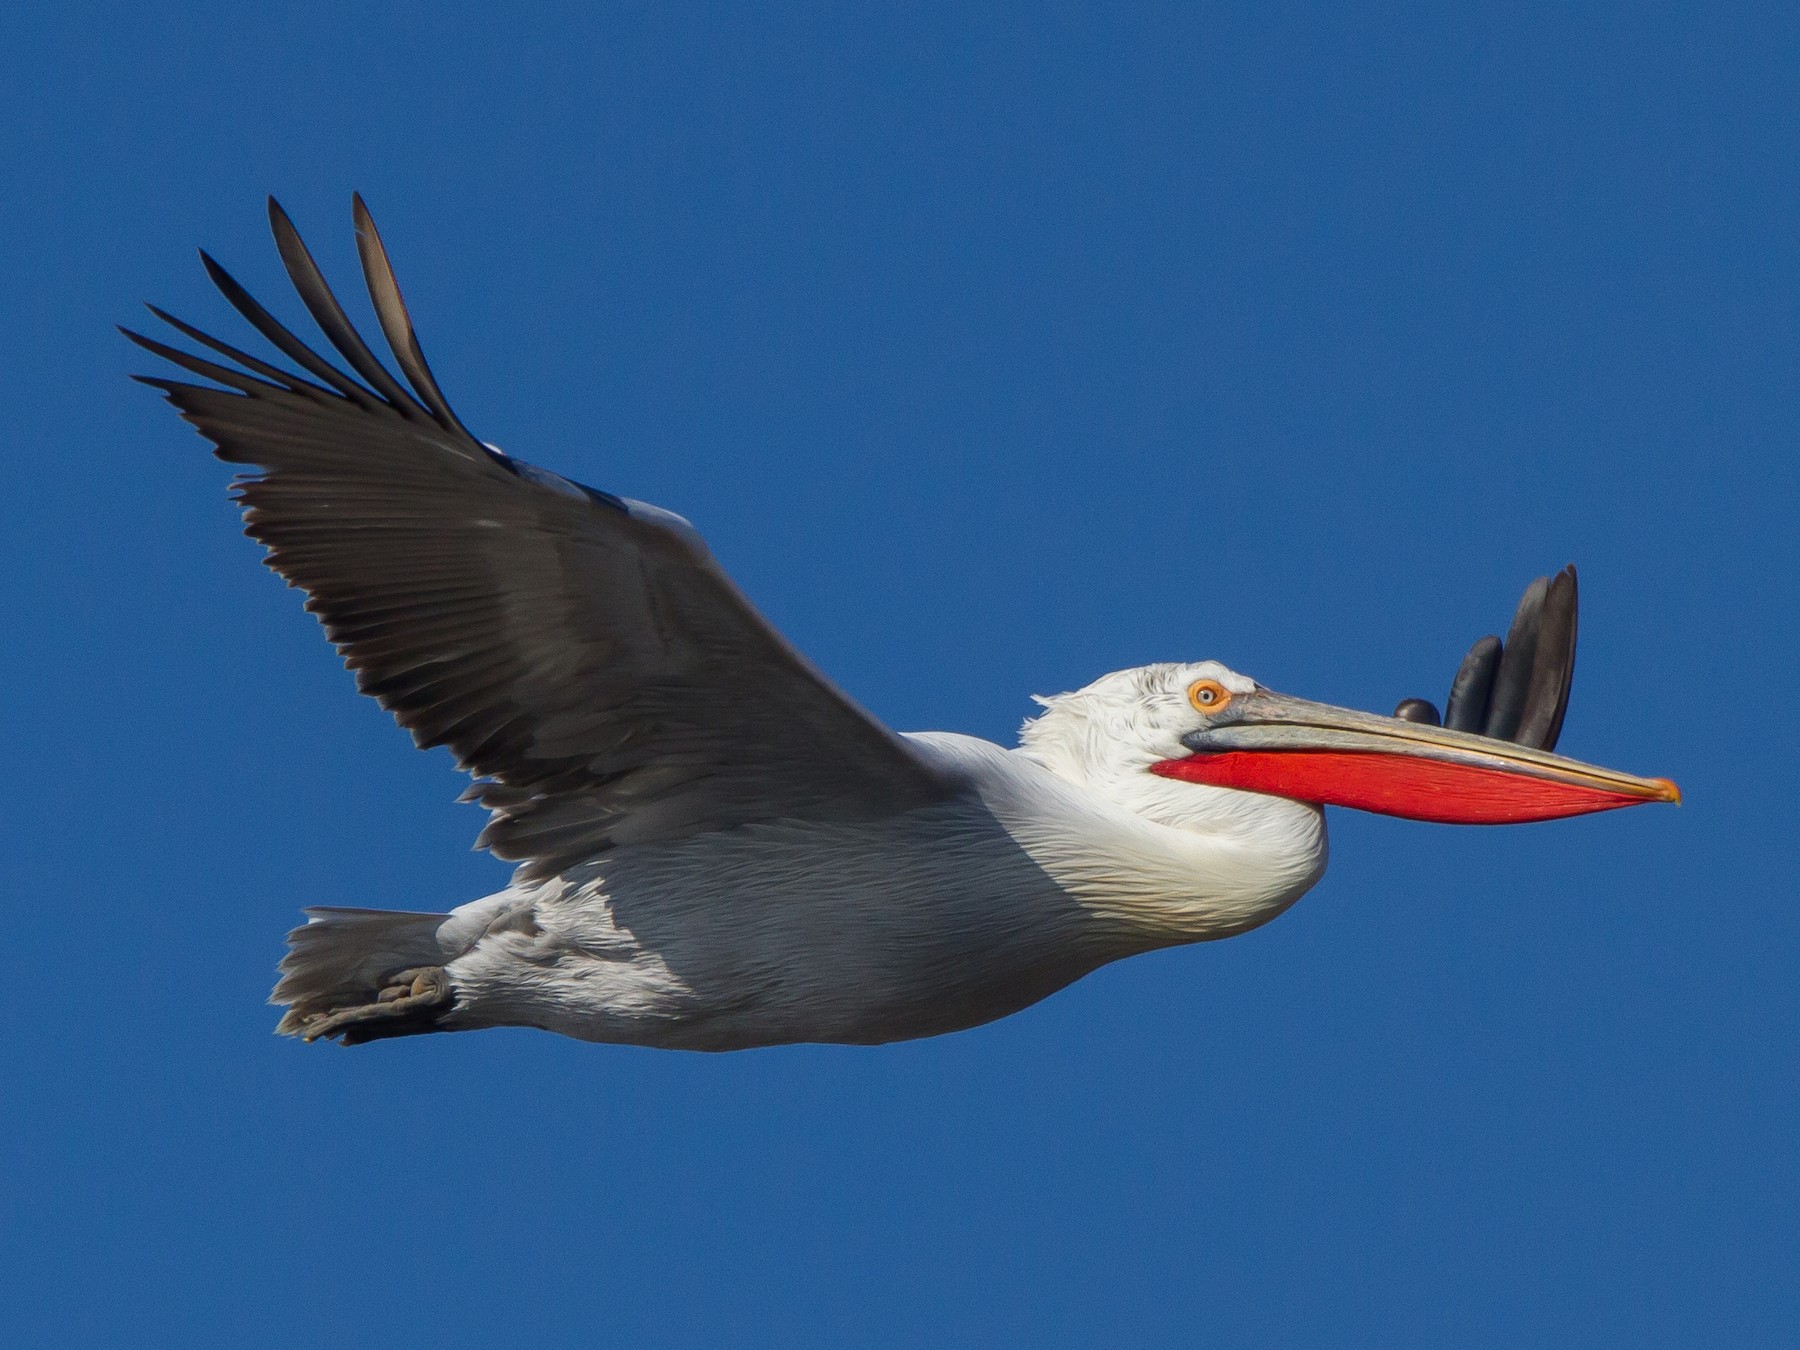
x=1208 y=696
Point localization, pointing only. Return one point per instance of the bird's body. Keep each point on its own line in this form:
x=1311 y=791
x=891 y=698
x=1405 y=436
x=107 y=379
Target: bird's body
x=928 y=921
x=717 y=848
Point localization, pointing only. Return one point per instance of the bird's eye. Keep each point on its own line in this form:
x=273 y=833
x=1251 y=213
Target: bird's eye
x=1208 y=695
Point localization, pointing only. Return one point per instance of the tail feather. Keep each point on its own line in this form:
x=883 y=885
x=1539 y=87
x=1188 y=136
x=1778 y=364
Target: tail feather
x=342 y=957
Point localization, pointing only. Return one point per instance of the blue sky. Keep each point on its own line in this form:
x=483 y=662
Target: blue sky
x=993 y=349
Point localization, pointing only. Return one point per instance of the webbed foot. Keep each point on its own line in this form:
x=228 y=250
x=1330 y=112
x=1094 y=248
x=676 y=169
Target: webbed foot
x=413 y=1001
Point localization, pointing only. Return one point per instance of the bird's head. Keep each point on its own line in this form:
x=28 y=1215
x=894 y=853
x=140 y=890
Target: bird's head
x=1149 y=737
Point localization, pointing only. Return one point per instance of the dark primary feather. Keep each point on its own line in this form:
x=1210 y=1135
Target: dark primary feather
x=1467 y=707
x=1517 y=690
x=390 y=312
x=1417 y=710
x=584 y=656
x=1553 y=670
x=1506 y=705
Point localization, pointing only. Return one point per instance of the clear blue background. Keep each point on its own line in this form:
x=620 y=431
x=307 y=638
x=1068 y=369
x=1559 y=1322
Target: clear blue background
x=993 y=349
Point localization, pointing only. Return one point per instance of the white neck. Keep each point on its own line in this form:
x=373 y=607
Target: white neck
x=1211 y=875
x=1166 y=861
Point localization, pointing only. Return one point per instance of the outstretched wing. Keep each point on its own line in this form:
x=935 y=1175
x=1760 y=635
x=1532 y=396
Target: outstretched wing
x=583 y=655
x=1517 y=690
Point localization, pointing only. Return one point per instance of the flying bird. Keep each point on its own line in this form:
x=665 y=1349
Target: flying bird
x=716 y=847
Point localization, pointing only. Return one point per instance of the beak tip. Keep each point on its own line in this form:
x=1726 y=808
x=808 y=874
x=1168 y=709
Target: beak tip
x=1666 y=791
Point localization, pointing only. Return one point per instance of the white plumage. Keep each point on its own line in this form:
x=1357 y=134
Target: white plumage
x=719 y=849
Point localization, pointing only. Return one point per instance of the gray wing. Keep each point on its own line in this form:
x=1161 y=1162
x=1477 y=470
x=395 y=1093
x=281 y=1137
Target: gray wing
x=583 y=655
x=1517 y=690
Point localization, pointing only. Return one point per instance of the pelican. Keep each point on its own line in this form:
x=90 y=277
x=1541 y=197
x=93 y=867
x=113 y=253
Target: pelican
x=716 y=848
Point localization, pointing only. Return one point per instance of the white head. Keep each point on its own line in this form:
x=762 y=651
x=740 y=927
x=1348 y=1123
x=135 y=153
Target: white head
x=1109 y=736
x=1194 y=860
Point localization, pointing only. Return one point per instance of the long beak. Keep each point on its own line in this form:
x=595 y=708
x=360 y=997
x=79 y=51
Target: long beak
x=1313 y=752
